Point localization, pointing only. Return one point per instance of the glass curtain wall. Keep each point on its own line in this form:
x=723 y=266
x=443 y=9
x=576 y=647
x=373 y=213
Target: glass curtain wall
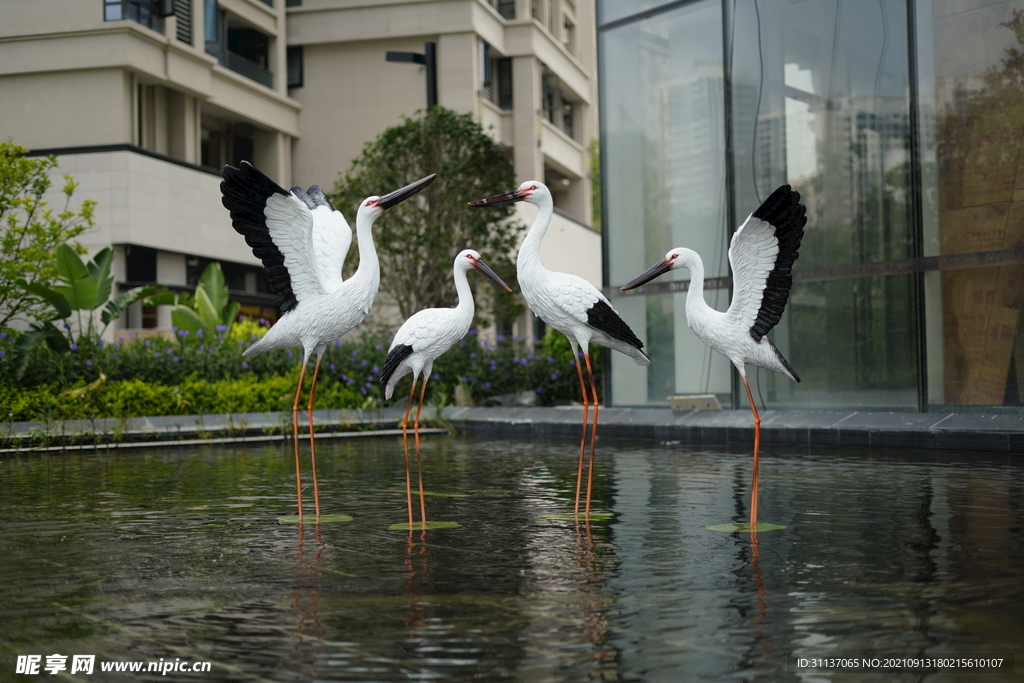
x=901 y=123
x=971 y=64
x=663 y=117
x=821 y=100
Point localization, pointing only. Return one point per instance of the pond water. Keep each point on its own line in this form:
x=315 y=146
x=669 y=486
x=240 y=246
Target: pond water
x=179 y=554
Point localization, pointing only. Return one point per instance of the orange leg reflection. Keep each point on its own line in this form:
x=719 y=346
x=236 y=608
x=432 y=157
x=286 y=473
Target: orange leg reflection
x=309 y=633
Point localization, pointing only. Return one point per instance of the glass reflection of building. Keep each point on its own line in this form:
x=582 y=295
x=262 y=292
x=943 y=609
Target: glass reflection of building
x=900 y=122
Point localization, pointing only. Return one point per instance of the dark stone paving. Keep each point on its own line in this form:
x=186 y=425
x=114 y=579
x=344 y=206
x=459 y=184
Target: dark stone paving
x=1000 y=433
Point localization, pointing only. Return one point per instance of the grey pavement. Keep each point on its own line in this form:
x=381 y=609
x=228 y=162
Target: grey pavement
x=997 y=433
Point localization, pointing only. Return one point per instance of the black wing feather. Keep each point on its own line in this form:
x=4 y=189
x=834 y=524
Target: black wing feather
x=391 y=363
x=603 y=317
x=245 y=192
x=784 y=212
x=317 y=196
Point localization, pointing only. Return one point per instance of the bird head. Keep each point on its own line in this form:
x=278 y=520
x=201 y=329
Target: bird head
x=532 y=191
x=373 y=207
x=675 y=258
x=468 y=258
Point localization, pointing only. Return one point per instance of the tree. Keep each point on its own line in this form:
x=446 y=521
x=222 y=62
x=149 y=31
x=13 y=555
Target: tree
x=418 y=239
x=30 y=232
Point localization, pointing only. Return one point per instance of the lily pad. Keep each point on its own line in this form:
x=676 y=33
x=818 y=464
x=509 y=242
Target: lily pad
x=569 y=517
x=744 y=528
x=312 y=519
x=404 y=526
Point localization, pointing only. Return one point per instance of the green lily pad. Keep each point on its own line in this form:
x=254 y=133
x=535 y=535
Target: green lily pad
x=312 y=519
x=744 y=528
x=569 y=517
x=404 y=526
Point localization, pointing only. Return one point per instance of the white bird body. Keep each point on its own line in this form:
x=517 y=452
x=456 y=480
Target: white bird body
x=761 y=253
x=715 y=328
x=419 y=342
x=303 y=242
x=428 y=334
x=567 y=302
x=328 y=307
x=571 y=305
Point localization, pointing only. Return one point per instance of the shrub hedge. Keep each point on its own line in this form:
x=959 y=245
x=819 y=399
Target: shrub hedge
x=207 y=374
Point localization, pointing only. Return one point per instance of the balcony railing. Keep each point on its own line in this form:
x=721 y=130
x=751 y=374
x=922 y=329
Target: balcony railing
x=247 y=68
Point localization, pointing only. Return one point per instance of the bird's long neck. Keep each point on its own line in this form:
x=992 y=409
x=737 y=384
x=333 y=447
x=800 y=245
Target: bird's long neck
x=368 y=271
x=529 y=252
x=465 y=309
x=695 y=303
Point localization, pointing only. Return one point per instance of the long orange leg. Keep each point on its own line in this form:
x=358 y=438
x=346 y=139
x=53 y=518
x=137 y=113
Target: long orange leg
x=295 y=436
x=583 y=437
x=405 y=445
x=312 y=436
x=757 y=448
x=593 y=435
x=419 y=462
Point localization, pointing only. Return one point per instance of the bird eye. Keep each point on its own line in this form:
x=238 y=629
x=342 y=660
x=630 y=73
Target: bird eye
x=533 y=187
x=369 y=203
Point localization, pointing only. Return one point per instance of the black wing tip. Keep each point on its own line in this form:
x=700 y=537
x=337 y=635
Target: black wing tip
x=601 y=316
x=395 y=357
x=318 y=197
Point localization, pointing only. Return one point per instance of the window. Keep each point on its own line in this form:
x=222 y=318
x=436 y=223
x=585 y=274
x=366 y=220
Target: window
x=557 y=108
x=295 y=65
x=145 y=12
x=496 y=76
x=506 y=8
x=237 y=46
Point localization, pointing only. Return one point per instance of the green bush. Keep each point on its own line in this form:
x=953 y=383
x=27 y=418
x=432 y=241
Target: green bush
x=207 y=374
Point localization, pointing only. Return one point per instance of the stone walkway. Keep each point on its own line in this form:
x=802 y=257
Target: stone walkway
x=995 y=433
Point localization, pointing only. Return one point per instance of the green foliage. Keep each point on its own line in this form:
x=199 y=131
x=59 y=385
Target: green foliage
x=30 y=232
x=206 y=374
x=418 y=239
x=81 y=287
x=209 y=309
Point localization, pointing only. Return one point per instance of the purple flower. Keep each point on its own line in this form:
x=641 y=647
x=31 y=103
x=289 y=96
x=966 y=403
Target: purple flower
x=375 y=369
x=221 y=328
x=199 y=333
x=472 y=355
x=363 y=389
x=67 y=327
x=175 y=390
x=472 y=378
x=554 y=375
x=344 y=377
x=113 y=355
x=290 y=354
x=365 y=363
x=494 y=365
x=170 y=351
x=88 y=363
x=550 y=359
x=337 y=343
x=462 y=342
x=380 y=347
x=538 y=390
x=74 y=347
x=572 y=363
x=175 y=359
x=120 y=339
x=156 y=355
x=1 y=354
x=487 y=385
x=473 y=332
x=331 y=366
x=437 y=375
x=117 y=346
x=182 y=333
x=99 y=341
x=202 y=347
x=245 y=365
x=3 y=335
x=146 y=342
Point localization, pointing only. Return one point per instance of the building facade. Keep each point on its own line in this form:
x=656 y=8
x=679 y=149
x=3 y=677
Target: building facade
x=901 y=123
x=145 y=100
